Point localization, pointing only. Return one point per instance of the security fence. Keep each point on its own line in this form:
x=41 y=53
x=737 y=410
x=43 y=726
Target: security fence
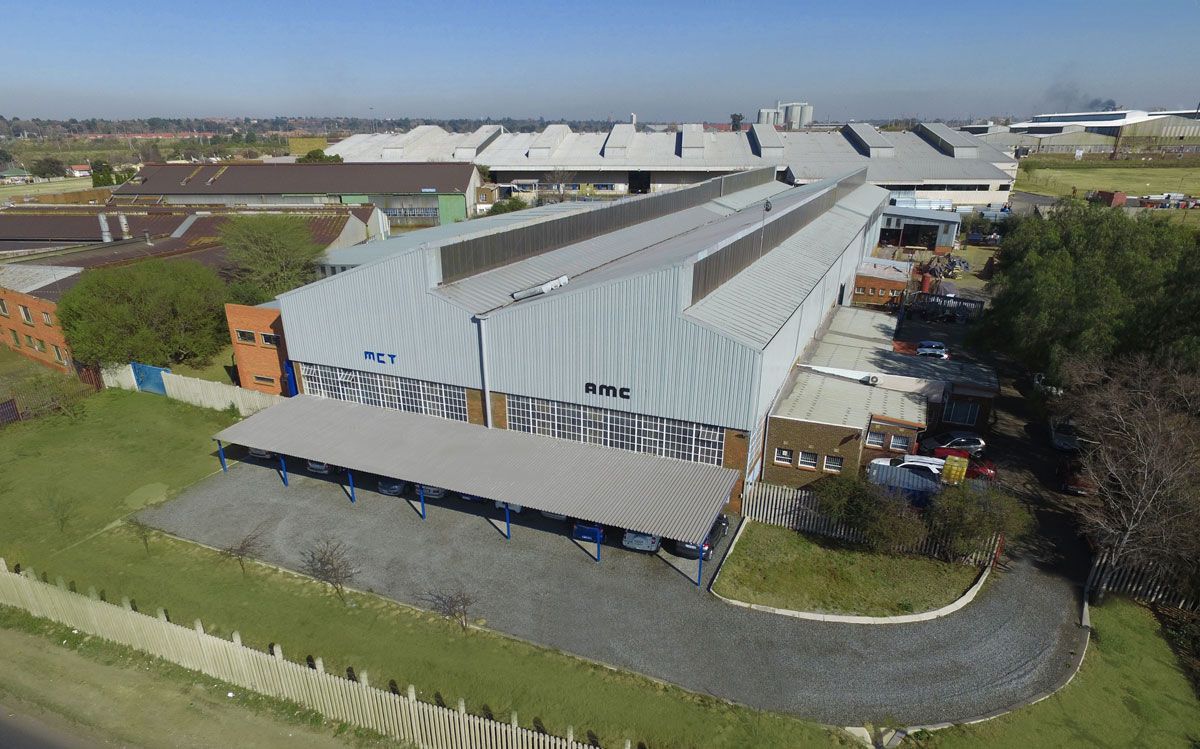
x=1146 y=583
x=353 y=701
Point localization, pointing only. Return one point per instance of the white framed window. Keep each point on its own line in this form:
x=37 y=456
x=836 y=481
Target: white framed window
x=58 y=355
x=385 y=391
x=46 y=318
x=25 y=314
x=783 y=455
x=39 y=344
x=263 y=380
x=668 y=438
x=875 y=439
x=269 y=339
x=871 y=291
x=3 y=308
x=901 y=443
x=961 y=412
x=16 y=338
x=860 y=290
x=807 y=460
x=833 y=463
x=245 y=336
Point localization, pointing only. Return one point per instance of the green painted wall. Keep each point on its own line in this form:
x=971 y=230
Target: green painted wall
x=452 y=208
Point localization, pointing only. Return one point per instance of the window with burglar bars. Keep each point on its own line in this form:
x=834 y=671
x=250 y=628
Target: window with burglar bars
x=669 y=438
x=385 y=391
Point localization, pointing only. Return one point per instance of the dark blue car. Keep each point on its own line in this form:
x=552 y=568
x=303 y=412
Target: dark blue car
x=581 y=531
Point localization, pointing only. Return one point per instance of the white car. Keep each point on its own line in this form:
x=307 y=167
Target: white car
x=933 y=353
x=921 y=464
x=432 y=492
x=511 y=506
x=258 y=452
x=317 y=466
x=641 y=541
x=933 y=345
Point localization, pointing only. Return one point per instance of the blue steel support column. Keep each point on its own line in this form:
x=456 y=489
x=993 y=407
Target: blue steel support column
x=599 y=538
x=350 y=478
x=700 y=570
x=507 y=523
x=283 y=469
x=221 y=456
x=421 y=494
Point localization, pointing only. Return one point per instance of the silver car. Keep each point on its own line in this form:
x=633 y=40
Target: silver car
x=641 y=542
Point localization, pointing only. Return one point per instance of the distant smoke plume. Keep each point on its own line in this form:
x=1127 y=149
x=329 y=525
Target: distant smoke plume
x=1067 y=96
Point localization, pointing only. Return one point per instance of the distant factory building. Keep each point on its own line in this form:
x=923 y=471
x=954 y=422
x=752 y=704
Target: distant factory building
x=1175 y=131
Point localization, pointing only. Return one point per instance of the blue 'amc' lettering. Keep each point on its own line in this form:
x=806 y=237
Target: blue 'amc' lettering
x=379 y=357
x=591 y=388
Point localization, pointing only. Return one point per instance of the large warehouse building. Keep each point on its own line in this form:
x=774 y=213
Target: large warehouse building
x=1126 y=130
x=663 y=324
x=931 y=162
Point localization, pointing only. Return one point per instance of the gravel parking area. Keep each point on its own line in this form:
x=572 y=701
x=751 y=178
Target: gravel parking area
x=645 y=613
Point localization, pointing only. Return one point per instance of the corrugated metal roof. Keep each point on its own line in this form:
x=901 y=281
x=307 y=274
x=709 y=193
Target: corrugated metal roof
x=27 y=279
x=868 y=135
x=888 y=361
x=298 y=179
x=856 y=326
x=661 y=496
x=902 y=479
x=827 y=399
x=950 y=217
x=950 y=136
x=779 y=281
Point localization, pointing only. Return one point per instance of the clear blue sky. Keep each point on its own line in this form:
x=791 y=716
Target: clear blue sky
x=682 y=61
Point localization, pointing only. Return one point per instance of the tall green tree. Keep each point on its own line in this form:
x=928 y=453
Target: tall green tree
x=272 y=253
x=5 y=157
x=1089 y=281
x=155 y=312
x=317 y=156
x=48 y=167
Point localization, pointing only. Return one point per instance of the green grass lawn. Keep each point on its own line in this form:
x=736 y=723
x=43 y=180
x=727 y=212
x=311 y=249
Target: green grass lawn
x=1129 y=693
x=977 y=257
x=46 y=188
x=1131 y=180
x=214 y=369
x=129 y=450
x=778 y=567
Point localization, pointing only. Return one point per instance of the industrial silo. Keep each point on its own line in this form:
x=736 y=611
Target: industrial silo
x=766 y=116
x=806 y=115
x=792 y=115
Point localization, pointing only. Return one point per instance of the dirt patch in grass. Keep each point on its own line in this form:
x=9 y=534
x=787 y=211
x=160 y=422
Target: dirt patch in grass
x=778 y=567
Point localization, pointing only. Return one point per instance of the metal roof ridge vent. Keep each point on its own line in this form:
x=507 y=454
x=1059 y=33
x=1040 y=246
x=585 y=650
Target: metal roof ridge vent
x=545 y=288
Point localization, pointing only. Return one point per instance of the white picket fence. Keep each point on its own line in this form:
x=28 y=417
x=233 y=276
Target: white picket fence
x=798 y=509
x=400 y=716
x=203 y=393
x=1144 y=583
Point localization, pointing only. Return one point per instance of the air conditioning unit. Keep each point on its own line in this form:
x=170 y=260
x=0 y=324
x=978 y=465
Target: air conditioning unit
x=870 y=380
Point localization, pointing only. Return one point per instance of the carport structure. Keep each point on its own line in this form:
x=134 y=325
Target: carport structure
x=673 y=499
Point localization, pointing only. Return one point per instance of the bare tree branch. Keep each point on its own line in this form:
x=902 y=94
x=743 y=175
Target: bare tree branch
x=329 y=561
x=248 y=546
x=454 y=605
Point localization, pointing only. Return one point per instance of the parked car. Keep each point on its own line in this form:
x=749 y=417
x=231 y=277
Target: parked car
x=933 y=353
x=469 y=497
x=921 y=464
x=641 y=542
x=258 y=452
x=431 y=492
x=511 y=506
x=554 y=515
x=1065 y=437
x=392 y=487
x=1073 y=480
x=695 y=551
x=933 y=345
x=977 y=468
x=584 y=531
x=317 y=466
x=968 y=441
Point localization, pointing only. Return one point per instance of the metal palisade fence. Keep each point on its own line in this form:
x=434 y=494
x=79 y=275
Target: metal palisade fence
x=400 y=716
x=1145 y=583
x=798 y=509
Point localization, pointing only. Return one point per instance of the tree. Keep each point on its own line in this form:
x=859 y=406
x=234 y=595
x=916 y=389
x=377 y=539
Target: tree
x=5 y=157
x=887 y=522
x=560 y=178
x=1144 y=418
x=508 y=205
x=318 y=156
x=142 y=531
x=62 y=510
x=48 y=167
x=1089 y=281
x=735 y=122
x=964 y=517
x=156 y=312
x=102 y=174
x=271 y=252
x=329 y=561
x=454 y=605
x=248 y=546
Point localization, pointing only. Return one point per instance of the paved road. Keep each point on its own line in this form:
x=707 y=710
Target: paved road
x=643 y=613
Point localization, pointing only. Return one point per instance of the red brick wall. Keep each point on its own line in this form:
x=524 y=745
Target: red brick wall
x=30 y=335
x=882 y=291
x=257 y=359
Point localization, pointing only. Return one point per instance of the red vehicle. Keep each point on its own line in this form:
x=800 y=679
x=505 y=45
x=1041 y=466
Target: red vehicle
x=977 y=468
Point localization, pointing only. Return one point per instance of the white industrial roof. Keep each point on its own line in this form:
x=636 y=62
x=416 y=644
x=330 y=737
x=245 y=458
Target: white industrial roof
x=927 y=214
x=827 y=399
x=665 y=497
x=887 y=361
x=28 y=278
x=865 y=328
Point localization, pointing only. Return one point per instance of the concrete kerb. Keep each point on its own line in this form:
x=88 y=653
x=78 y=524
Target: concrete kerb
x=1085 y=623
x=924 y=616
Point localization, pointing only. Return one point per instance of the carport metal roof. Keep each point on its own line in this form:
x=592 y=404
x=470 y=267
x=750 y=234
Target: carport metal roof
x=661 y=496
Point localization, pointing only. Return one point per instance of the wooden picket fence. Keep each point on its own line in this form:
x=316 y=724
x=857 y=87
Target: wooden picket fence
x=799 y=510
x=400 y=716
x=1144 y=583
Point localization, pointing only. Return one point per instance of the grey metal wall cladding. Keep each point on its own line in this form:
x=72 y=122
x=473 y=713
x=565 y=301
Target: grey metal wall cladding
x=386 y=309
x=732 y=183
x=627 y=334
x=471 y=256
x=728 y=261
